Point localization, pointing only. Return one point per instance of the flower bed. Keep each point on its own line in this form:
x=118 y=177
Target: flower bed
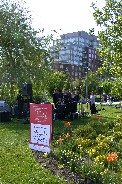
x=92 y=150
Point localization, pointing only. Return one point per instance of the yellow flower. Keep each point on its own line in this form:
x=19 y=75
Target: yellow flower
x=45 y=154
x=93 y=151
x=100 y=158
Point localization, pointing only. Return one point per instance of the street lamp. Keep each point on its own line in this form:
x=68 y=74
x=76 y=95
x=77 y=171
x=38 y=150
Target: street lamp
x=87 y=84
x=81 y=107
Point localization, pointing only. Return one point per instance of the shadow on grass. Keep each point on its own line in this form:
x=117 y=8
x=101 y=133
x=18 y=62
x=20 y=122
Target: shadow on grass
x=119 y=113
x=16 y=125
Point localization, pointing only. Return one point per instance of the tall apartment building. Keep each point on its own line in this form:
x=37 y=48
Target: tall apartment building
x=77 y=53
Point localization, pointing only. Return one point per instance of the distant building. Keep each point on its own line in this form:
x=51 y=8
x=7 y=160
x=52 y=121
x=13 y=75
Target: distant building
x=73 y=71
x=77 y=53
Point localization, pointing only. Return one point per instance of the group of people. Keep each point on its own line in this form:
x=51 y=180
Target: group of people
x=68 y=97
x=65 y=103
x=64 y=97
x=59 y=97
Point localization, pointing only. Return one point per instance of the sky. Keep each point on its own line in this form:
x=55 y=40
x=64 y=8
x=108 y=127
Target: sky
x=64 y=16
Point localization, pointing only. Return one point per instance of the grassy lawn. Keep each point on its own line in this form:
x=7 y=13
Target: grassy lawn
x=17 y=164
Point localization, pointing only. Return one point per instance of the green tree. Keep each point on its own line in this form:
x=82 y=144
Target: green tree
x=56 y=80
x=24 y=55
x=107 y=86
x=110 y=37
x=91 y=80
x=113 y=87
x=116 y=90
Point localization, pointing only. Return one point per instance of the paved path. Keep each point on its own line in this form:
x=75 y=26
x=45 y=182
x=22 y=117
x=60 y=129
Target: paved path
x=105 y=103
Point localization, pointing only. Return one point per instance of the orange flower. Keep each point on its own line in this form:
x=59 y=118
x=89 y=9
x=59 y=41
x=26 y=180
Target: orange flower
x=67 y=124
x=114 y=156
x=111 y=157
x=67 y=135
x=100 y=118
x=60 y=140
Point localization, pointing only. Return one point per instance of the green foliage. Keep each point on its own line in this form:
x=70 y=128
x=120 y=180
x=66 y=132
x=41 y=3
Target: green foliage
x=93 y=83
x=116 y=90
x=110 y=20
x=24 y=55
x=113 y=87
x=56 y=80
x=107 y=86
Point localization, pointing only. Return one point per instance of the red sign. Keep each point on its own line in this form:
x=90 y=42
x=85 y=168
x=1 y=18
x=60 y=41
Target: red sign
x=40 y=126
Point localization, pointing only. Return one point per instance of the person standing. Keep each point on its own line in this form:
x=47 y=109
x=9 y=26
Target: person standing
x=92 y=103
x=20 y=104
